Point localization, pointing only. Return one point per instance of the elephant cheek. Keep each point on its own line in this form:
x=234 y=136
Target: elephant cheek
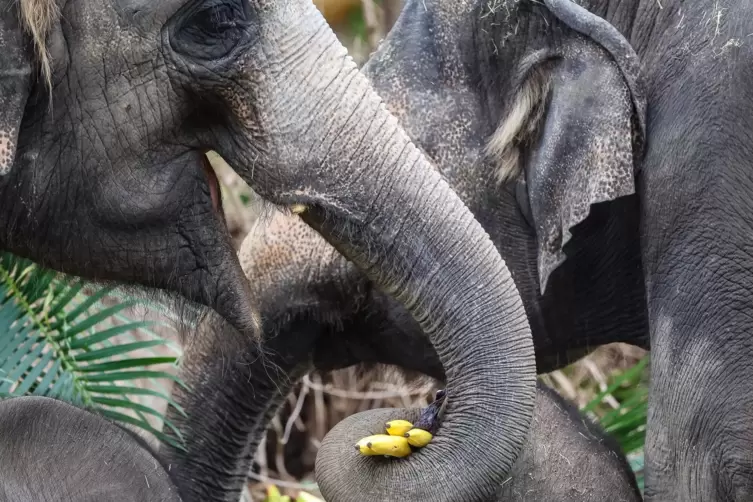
x=214 y=185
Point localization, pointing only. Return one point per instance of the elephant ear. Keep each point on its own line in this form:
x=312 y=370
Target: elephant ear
x=581 y=116
x=15 y=82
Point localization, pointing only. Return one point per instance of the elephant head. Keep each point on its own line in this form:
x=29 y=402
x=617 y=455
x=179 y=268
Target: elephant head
x=108 y=180
x=51 y=450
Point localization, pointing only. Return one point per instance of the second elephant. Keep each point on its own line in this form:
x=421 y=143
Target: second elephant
x=238 y=386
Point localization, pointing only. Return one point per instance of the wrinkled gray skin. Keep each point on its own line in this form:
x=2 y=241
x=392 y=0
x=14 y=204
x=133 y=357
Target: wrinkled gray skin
x=664 y=253
x=566 y=457
x=107 y=181
x=55 y=452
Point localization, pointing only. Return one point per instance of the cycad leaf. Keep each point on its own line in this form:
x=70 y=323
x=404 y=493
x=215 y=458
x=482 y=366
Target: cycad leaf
x=50 y=345
x=119 y=350
x=36 y=371
x=123 y=376
x=143 y=424
x=105 y=335
x=51 y=374
x=66 y=293
x=93 y=320
x=140 y=362
x=81 y=308
x=26 y=362
x=134 y=391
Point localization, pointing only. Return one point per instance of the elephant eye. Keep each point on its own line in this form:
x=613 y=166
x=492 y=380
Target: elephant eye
x=212 y=31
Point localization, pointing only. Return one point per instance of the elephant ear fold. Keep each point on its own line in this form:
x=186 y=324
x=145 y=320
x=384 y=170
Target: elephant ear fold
x=15 y=82
x=585 y=148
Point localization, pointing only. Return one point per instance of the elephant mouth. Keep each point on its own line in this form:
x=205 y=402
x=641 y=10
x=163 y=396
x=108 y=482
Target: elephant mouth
x=213 y=182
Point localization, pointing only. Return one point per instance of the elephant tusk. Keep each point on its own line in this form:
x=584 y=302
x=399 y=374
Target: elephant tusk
x=298 y=208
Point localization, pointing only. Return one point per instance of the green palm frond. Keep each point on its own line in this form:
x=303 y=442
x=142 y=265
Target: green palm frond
x=58 y=341
x=627 y=423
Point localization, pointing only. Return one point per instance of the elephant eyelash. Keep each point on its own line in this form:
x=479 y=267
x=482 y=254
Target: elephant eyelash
x=223 y=18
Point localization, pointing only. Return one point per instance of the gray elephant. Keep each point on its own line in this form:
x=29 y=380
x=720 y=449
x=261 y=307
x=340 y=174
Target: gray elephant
x=109 y=107
x=617 y=224
x=56 y=452
x=566 y=458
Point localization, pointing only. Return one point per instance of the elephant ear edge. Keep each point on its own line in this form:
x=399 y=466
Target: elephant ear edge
x=16 y=56
x=586 y=150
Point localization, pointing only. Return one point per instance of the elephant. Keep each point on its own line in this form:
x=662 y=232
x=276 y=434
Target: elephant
x=54 y=451
x=129 y=96
x=567 y=457
x=603 y=146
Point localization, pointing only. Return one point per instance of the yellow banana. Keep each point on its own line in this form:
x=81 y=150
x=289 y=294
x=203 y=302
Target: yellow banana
x=383 y=444
x=398 y=427
x=418 y=437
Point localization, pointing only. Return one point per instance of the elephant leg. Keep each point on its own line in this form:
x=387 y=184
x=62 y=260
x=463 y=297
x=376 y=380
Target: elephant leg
x=699 y=443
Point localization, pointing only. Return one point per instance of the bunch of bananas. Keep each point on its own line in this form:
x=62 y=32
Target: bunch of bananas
x=402 y=434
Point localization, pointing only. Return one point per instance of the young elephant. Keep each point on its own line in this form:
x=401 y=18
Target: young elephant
x=238 y=388
x=56 y=452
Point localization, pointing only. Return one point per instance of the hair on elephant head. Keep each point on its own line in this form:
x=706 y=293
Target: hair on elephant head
x=109 y=179
x=52 y=450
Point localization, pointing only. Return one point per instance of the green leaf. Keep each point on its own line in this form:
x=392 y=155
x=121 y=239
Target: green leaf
x=626 y=376
x=35 y=373
x=57 y=341
x=134 y=391
x=103 y=336
x=122 y=376
x=120 y=417
x=117 y=350
x=141 y=362
x=95 y=319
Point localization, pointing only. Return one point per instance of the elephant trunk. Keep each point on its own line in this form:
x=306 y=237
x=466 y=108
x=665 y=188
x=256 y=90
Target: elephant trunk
x=417 y=241
x=342 y=161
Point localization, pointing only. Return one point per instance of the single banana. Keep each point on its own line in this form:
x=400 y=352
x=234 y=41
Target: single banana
x=398 y=427
x=418 y=437
x=384 y=444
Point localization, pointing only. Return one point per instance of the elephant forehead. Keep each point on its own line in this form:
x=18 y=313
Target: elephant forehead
x=110 y=17
x=161 y=10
